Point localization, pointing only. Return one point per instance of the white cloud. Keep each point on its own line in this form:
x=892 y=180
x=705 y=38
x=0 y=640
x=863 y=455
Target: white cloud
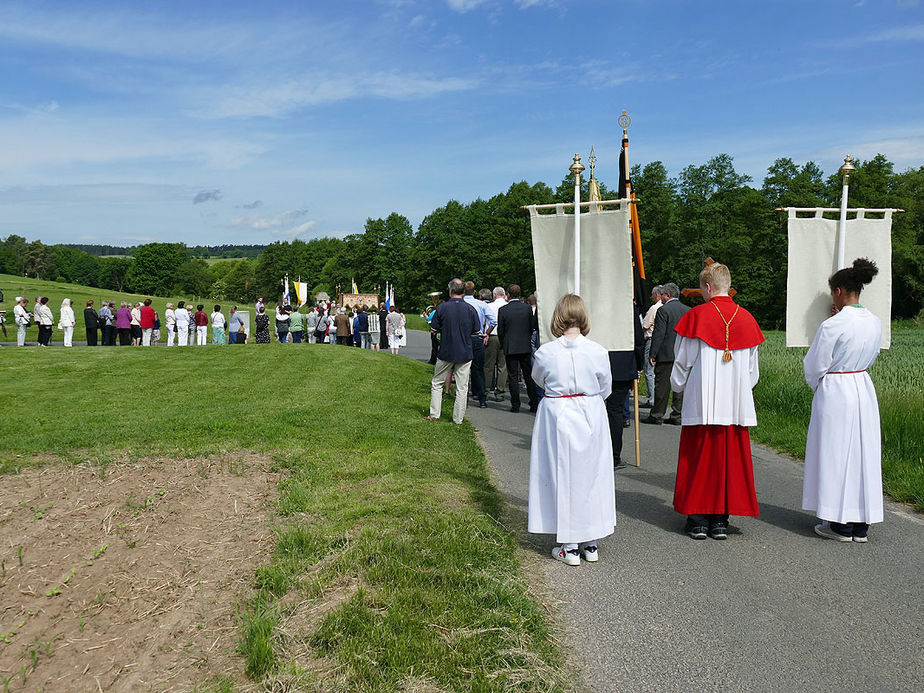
x=295 y=231
x=904 y=152
x=259 y=222
x=36 y=143
x=914 y=32
x=310 y=90
x=464 y=5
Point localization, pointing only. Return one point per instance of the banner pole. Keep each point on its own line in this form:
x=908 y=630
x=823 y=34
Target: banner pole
x=845 y=171
x=576 y=169
x=638 y=461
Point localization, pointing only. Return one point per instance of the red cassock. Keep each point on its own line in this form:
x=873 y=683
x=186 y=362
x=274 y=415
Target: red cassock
x=714 y=469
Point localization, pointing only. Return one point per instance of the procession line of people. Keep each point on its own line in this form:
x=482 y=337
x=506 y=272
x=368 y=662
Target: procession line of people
x=706 y=357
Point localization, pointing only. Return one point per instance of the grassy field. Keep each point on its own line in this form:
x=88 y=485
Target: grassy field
x=387 y=526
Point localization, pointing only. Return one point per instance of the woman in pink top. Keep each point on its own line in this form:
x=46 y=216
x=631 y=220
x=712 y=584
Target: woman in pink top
x=124 y=324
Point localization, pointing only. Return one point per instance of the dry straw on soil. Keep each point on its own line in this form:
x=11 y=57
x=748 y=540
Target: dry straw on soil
x=126 y=579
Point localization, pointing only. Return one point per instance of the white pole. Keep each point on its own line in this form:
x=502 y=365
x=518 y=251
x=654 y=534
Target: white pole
x=576 y=169
x=845 y=171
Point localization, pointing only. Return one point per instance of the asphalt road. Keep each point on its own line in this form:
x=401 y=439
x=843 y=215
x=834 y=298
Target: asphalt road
x=773 y=608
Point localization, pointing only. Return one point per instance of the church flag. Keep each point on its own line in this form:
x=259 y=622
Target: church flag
x=812 y=259
x=285 y=290
x=355 y=290
x=606 y=271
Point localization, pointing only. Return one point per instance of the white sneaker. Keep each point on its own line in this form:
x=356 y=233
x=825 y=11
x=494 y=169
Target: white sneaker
x=824 y=530
x=571 y=557
x=589 y=554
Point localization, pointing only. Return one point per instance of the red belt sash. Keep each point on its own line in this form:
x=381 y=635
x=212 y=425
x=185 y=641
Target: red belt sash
x=845 y=372
x=579 y=394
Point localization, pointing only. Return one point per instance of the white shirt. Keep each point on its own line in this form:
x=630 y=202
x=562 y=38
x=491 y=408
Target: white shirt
x=20 y=315
x=490 y=310
x=218 y=320
x=648 y=321
x=170 y=317
x=182 y=317
x=716 y=392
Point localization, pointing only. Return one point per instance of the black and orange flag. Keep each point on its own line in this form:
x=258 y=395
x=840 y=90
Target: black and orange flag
x=625 y=192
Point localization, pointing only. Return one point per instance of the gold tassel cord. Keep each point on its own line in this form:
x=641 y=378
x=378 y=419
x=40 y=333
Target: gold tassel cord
x=726 y=357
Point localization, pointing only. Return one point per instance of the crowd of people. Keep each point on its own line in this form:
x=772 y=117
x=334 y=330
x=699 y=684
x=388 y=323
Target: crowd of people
x=183 y=324
x=704 y=362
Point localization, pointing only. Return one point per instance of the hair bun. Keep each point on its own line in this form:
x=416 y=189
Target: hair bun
x=864 y=270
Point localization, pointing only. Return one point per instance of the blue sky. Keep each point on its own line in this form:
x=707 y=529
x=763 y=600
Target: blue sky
x=244 y=122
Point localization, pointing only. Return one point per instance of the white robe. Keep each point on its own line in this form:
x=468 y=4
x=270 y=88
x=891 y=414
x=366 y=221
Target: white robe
x=715 y=392
x=843 y=452
x=571 y=488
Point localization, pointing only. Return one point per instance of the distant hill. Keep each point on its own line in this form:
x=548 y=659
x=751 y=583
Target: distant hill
x=197 y=251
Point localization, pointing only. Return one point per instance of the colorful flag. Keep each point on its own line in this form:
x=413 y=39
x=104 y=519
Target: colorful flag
x=285 y=291
x=640 y=294
x=355 y=290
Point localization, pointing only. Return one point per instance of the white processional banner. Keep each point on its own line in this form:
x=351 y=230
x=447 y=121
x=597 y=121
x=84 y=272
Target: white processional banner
x=813 y=259
x=606 y=272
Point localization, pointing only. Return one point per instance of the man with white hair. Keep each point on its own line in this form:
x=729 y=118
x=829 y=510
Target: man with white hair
x=493 y=352
x=648 y=327
x=21 y=318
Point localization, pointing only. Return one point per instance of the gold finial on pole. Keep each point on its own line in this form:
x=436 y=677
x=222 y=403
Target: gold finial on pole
x=577 y=167
x=592 y=186
x=624 y=121
x=847 y=168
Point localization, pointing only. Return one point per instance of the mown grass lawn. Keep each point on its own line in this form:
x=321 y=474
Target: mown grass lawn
x=388 y=527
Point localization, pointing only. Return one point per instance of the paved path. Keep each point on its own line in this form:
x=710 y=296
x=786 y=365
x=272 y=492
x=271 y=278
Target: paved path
x=773 y=608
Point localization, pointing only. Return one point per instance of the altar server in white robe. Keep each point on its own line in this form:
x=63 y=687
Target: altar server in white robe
x=571 y=487
x=843 y=451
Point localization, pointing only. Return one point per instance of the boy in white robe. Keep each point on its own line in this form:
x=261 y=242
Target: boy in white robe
x=571 y=486
x=843 y=450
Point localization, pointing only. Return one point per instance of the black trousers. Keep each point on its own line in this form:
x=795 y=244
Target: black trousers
x=477 y=371
x=434 y=347
x=125 y=336
x=706 y=520
x=514 y=363
x=663 y=392
x=44 y=334
x=91 y=336
x=108 y=335
x=615 y=405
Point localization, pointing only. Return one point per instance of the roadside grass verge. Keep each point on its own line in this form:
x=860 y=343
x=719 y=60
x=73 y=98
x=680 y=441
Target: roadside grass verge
x=784 y=407
x=391 y=570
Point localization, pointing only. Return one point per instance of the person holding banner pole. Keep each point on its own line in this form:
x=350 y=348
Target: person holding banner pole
x=843 y=449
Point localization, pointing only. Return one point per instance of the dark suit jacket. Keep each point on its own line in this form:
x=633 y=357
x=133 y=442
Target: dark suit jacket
x=663 y=336
x=515 y=325
x=625 y=365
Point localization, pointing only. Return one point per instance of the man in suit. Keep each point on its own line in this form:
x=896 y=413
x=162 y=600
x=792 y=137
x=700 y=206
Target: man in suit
x=662 y=355
x=515 y=325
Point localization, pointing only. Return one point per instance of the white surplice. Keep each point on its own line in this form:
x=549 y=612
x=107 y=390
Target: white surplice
x=571 y=487
x=843 y=452
x=715 y=392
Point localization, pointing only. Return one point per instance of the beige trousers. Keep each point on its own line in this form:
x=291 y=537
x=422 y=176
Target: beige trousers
x=440 y=373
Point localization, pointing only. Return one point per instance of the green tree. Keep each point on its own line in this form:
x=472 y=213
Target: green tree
x=155 y=270
x=113 y=273
x=39 y=260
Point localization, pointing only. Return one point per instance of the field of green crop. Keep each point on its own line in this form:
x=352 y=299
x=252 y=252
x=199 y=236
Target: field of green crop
x=784 y=405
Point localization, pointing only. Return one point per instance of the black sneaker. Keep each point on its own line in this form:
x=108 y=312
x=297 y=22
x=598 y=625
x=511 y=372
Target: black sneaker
x=719 y=530
x=696 y=531
x=652 y=420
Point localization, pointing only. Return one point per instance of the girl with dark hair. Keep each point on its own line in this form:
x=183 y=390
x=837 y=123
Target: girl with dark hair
x=843 y=453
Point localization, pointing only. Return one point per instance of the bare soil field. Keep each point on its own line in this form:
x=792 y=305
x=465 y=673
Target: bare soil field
x=127 y=577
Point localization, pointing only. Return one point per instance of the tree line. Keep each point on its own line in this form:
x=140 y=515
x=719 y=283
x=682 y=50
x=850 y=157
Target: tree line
x=710 y=210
